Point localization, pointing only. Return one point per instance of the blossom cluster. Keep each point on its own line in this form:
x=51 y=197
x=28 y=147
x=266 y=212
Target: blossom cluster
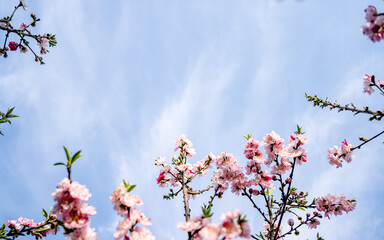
x=71 y=208
x=182 y=169
x=374 y=28
x=23 y=33
x=337 y=155
x=28 y=225
x=332 y=204
x=124 y=204
x=233 y=225
x=277 y=160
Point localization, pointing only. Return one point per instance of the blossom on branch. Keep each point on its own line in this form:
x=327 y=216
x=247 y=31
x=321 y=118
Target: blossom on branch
x=71 y=208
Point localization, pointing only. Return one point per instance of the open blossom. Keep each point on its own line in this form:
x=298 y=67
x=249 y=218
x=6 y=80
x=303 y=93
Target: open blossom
x=24 y=4
x=13 y=46
x=313 y=223
x=337 y=155
x=332 y=204
x=22 y=26
x=123 y=200
x=374 y=26
x=367 y=88
x=251 y=149
x=159 y=161
x=184 y=144
x=72 y=210
x=141 y=234
x=274 y=145
x=232 y=226
x=346 y=151
x=334 y=156
x=210 y=232
x=124 y=203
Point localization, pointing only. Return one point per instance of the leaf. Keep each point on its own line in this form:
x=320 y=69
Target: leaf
x=45 y=214
x=67 y=154
x=58 y=163
x=76 y=156
x=130 y=187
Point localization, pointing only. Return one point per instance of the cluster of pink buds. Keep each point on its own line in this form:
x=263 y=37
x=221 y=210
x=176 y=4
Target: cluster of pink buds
x=233 y=225
x=25 y=223
x=124 y=204
x=332 y=204
x=174 y=175
x=337 y=155
x=71 y=208
x=374 y=28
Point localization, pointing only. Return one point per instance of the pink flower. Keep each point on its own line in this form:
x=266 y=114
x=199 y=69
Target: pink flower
x=334 y=156
x=43 y=43
x=85 y=233
x=370 y=13
x=141 y=234
x=251 y=149
x=230 y=230
x=367 y=84
x=13 y=46
x=185 y=145
x=291 y=222
x=274 y=145
x=24 y=4
x=160 y=178
x=72 y=210
x=332 y=204
x=313 y=223
x=210 y=232
x=191 y=225
x=159 y=161
x=346 y=151
x=22 y=26
x=245 y=230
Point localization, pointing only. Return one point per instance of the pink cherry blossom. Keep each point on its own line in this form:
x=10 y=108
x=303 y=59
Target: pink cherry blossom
x=210 y=232
x=13 y=46
x=43 y=43
x=367 y=84
x=334 y=156
x=71 y=208
x=185 y=145
x=24 y=4
x=274 y=145
x=370 y=13
x=332 y=204
x=313 y=223
x=159 y=161
x=140 y=233
x=22 y=26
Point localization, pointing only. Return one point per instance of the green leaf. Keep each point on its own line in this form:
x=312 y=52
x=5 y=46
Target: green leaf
x=299 y=130
x=248 y=136
x=67 y=154
x=45 y=214
x=207 y=211
x=58 y=163
x=76 y=156
x=130 y=187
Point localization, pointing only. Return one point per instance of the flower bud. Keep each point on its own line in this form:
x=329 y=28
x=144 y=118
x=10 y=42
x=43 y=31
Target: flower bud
x=291 y=222
x=288 y=180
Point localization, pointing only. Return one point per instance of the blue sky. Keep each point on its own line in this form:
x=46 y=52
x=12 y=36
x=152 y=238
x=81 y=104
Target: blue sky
x=128 y=77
